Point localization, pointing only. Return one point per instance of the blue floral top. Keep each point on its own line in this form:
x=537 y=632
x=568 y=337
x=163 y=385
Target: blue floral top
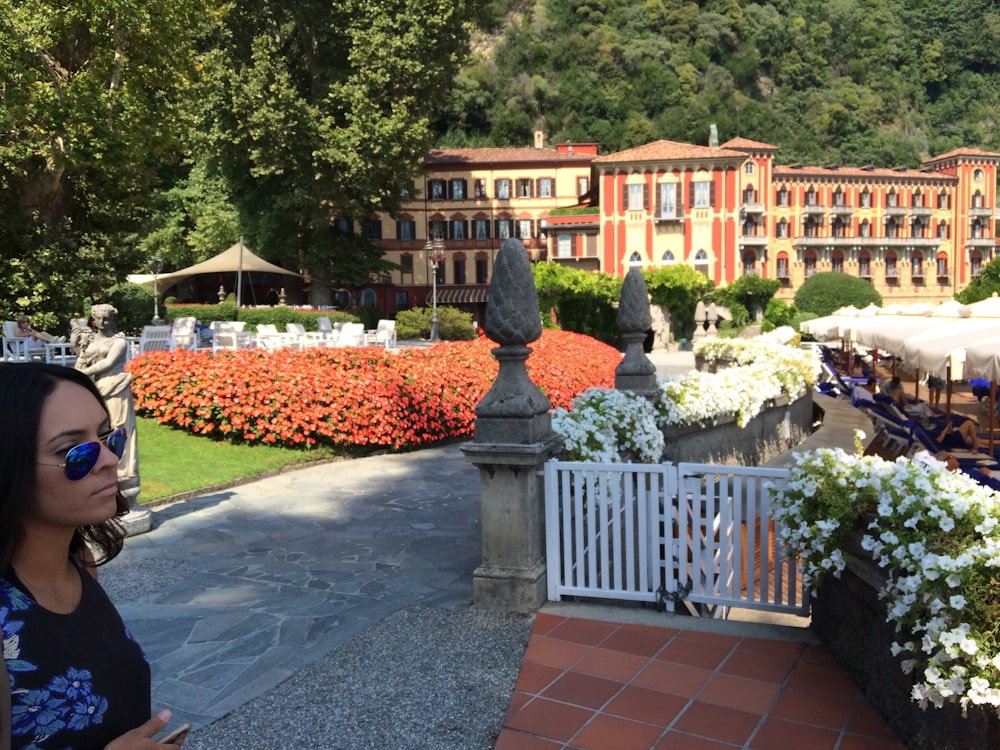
x=77 y=680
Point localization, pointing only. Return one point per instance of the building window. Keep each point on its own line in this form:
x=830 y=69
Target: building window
x=457 y=190
x=977 y=175
x=864 y=265
x=748 y=167
x=635 y=193
x=838 y=229
x=749 y=263
x=811 y=197
x=942 y=230
x=918 y=199
x=943 y=200
x=343 y=226
x=866 y=198
x=437 y=229
x=437 y=190
x=373 y=229
x=749 y=195
x=582 y=185
x=810 y=228
x=669 y=200
x=505 y=229
x=482 y=270
x=917 y=265
x=524 y=188
x=564 y=246
x=458 y=270
x=975 y=263
x=524 y=229
x=783 y=196
x=701 y=195
x=406 y=262
x=545 y=187
x=667 y=258
x=783 y=266
x=891 y=271
x=838 y=197
x=701 y=262
x=917 y=229
x=438 y=269
x=481 y=229
x=403 y=299
x=810 y=263
x=782 y=229
x=891 y=199
x=406 y=229
x=978 y=231
x=942 y=265
x=502 y=189
x=368 y=298
x=977 y=200
x=864 y=228
x=479 y=186
x=458 y=230
x=837 y=261
x=891 y=228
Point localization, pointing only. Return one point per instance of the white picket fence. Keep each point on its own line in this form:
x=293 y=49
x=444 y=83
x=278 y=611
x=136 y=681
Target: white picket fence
x=697 y=534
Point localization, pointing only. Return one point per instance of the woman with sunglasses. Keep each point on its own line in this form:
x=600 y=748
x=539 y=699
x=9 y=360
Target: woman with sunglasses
x=77 y=679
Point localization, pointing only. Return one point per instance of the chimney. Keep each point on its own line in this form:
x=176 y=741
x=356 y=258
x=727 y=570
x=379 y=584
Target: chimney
x=713 y=136
x=539 y=139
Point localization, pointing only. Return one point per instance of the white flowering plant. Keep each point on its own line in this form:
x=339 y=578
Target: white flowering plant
x=608 y=426
x=937 y=533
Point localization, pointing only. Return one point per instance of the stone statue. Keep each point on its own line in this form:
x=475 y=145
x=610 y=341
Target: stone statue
x=103 y=359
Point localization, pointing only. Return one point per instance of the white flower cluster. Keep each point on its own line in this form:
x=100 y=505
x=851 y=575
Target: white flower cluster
x=938 y=534
x=770 y=348
x=606 y=425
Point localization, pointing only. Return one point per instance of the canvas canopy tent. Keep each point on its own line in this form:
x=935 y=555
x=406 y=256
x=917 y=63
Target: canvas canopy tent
x=237 y=259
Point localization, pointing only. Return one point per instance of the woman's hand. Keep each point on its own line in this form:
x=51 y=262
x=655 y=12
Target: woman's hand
x=141 y=738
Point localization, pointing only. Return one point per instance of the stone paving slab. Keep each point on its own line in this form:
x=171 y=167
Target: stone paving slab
x=234 y=591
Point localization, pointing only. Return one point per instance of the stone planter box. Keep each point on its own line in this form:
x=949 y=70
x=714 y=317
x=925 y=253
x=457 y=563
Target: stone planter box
x=851 y=621
x=775 y=430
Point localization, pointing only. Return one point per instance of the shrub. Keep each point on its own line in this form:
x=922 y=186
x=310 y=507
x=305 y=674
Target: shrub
x=277 y=316
x=825 y=292
x=779 y=313
x=453 y=324
x=134 y=303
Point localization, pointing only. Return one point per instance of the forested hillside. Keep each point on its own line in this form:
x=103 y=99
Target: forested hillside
x=828 y=81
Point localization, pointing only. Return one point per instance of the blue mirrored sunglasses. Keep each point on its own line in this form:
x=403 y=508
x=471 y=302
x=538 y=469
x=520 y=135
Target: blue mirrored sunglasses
x=81 y=459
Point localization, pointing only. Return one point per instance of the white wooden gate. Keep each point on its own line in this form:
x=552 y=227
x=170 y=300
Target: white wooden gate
x=697 y=534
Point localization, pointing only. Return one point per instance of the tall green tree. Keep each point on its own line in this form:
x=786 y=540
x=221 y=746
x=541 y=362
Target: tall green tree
x=88 y=96
x=315 y=111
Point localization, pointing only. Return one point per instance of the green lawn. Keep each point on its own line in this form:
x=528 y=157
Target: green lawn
x=173 y=461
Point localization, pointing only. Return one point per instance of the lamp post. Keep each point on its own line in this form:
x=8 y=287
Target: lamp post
x=157 y=267
x=435 y=250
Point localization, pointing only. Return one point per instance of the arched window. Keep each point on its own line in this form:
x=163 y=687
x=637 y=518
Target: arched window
x=975 y=262
x=917 y=265
x=942 y=265
x=864 y=264
x=891 y=199
x=864 y=228
x=891 y=270
x=782 y=229
x=635 y=259
x=667 y=258
x=701 y=262
x=810 y=263
x=782 y=265
x=368 y=298
x=866 y=198
x=837 y=261
x=749 y=263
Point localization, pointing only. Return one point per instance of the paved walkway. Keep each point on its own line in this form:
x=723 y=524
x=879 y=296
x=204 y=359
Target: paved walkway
x=235 y=591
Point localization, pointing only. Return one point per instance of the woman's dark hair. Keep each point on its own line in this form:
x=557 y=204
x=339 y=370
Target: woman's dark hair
x=23 y=390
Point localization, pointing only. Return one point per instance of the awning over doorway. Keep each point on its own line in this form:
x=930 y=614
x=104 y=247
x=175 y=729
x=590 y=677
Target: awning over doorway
x=462 y=295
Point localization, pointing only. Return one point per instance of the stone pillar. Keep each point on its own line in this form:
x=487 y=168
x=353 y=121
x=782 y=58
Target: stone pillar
x=635 y=372
x=513 y=439
x=700 y=316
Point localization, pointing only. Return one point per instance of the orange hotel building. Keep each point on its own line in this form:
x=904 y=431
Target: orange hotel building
x=727 y=210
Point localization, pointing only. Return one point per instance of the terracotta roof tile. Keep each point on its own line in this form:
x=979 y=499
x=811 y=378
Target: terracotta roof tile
x=482 y=156
x=666 y=151
x=963 y=152
x=747 y=144
x=789 y=172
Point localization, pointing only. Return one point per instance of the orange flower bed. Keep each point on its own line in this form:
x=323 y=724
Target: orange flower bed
x=353 y=397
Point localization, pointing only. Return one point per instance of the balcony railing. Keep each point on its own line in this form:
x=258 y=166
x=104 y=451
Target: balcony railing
x=894 y=211
x=756 y=240
x=981 y=242
x=840 y=209
x=981 y=211
x=812 y=209
x=752 y=207
x=665 y=216
x=921 y=211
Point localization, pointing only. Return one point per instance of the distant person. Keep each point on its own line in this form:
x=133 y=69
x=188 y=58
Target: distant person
x=864 y=393
x=894 y=390
x=934 y=387
x=272 y=297
x=962 y=435
x=25 y=331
